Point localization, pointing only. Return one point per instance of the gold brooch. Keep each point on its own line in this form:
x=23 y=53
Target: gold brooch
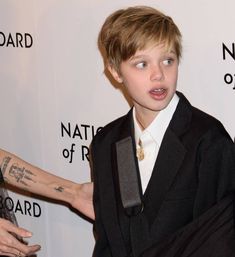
x=140 y=151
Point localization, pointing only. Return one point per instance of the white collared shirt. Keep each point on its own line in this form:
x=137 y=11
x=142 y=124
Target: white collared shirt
x=151 y=139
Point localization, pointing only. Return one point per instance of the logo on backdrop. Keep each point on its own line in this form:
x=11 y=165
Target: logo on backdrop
x=81 y=136
x=26 y=208
x=17 y=39
x=229 y=55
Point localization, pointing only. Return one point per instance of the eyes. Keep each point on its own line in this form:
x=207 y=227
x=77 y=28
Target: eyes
x=143 y=64
x=168 y=61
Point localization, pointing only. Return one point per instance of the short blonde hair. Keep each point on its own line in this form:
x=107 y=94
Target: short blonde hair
x=127 y=30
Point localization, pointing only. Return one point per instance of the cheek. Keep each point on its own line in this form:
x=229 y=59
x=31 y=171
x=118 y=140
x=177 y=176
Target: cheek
x=133 y=87
x=176 y=78
x=173 y=76
x=129 y=86
x=130 y=81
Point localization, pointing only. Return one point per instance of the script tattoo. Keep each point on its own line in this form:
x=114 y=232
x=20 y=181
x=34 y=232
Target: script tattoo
x=4 y=164
x=21 y=174
x=59 y=189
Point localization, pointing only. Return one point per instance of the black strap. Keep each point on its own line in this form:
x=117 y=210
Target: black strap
x=128 y=177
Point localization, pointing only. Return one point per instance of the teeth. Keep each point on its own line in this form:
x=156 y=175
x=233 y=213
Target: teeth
x=158 y=90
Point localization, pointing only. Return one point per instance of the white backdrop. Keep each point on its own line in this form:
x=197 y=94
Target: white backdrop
x=52 y=80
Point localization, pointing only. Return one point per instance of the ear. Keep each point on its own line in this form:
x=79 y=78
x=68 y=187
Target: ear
x=116 y=75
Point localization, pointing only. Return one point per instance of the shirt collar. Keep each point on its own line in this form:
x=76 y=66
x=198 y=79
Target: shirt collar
x=159 y=125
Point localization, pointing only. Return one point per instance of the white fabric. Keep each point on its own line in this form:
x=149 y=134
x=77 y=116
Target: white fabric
x=151 y=139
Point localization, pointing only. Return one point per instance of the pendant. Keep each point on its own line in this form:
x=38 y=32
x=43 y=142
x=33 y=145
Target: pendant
x=140 y=151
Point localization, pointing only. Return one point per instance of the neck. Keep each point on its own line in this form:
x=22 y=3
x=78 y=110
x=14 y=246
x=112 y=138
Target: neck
x=144 y=120
x=142 y=126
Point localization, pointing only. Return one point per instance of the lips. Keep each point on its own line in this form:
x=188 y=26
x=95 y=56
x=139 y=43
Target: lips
x=158 y=93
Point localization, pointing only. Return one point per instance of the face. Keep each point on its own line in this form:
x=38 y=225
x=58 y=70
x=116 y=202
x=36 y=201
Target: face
x=150 y=77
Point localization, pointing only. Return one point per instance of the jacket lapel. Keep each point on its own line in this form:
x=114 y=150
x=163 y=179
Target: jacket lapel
x=170 y=157
x=164 y=172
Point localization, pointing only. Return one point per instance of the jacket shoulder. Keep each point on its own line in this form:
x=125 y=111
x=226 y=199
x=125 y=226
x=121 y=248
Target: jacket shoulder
x=205 y=122
x=200 y=121
x=109 y=130
x=190 y=122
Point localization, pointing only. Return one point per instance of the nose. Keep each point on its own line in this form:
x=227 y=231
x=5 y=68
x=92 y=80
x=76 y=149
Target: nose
x=156 y=73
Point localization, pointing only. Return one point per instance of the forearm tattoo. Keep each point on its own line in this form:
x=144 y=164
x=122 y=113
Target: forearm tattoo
x=59 y=189
x=4 y=164
x=21 y=174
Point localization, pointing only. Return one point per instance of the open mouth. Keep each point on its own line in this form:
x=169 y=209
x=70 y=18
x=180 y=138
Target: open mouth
x=158 y=91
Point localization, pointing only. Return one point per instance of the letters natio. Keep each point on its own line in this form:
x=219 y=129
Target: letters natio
x=24 y=40
x=229 y=53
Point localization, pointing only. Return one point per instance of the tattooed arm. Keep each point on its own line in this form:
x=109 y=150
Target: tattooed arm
x=25 y=176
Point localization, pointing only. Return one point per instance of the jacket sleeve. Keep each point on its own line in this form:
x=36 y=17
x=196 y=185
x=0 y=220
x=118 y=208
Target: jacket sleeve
x=216 y=169
x=102 y=248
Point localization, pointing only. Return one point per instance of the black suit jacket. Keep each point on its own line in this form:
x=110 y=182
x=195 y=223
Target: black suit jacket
x=194 y=169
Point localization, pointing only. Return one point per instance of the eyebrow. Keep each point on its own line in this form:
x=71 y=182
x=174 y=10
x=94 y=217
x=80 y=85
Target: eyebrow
x=136 y=57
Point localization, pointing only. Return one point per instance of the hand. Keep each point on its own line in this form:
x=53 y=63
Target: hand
x=10 y=245
x=83 y=199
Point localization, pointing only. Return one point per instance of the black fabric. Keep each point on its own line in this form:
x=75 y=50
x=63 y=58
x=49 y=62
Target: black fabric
x=194 y=170
x=211 y=235
x=128 y=177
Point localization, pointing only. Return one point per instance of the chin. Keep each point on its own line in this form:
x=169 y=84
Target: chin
x=161 y=106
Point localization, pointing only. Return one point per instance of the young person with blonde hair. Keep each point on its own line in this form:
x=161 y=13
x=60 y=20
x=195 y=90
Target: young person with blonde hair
x=185 y=158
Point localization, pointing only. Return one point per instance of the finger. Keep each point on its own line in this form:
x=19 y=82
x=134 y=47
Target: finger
x=29 y=250
x=11 y=251
x=7 y=254
x=13 y=245
x=16 y=230
x=8 y=251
